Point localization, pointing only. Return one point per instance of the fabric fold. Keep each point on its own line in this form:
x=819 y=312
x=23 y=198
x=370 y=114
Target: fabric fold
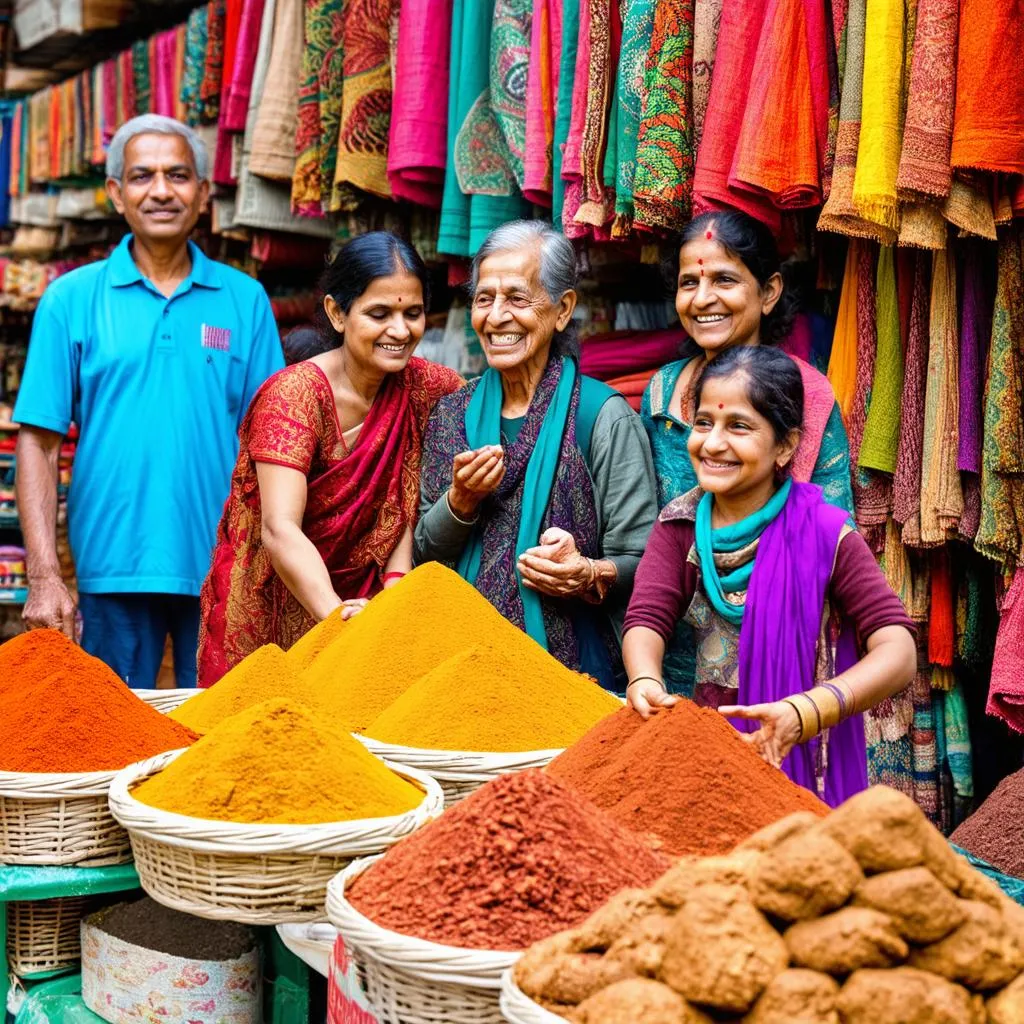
x=1006 y=686
x=541 y=97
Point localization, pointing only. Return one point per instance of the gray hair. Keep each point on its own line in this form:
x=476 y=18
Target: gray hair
x=155 y=124
x=557 y=256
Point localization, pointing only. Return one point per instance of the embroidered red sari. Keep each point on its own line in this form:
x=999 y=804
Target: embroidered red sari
x=359 y=502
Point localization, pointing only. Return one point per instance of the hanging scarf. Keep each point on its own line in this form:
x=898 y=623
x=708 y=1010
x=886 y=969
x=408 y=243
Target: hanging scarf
x=563 y=104
x=882 y=428
x=329 y=85
x=907 y=480
x=1001 y=536
x=779 y=637
x=1006 y=688
x=213 y=64
x=483 y=427
x=195 y=54
x=509 y=71
x=707 y=21
x=727 y=540
x=878 y=149
x=541 y=94
x=842 y=364
x=605 y=30
x=928 y=132
x=663 y=189
x=941 y=497
x=975 y=331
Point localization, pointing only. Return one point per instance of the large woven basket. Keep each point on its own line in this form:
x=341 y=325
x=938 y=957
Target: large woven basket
x=460 y=772
x=520 y=1009
x=412 y=981
x=57 y=819
x=257 y=874
x=166 y=701
x=44 y=935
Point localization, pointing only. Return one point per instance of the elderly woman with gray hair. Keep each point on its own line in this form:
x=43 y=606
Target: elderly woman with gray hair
x=537 y=484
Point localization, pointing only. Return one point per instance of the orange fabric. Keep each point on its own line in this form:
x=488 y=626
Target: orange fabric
x=988 y=128
x=842 y=366
x=633 y=386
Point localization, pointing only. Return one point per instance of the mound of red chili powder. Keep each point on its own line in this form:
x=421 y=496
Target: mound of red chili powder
x=520 y=859
x=65 y=711
x=684 y=780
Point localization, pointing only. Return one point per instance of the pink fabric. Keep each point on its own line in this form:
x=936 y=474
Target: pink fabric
x=571 y=158
x=110 y=124
x=541 y=94
x=623 y=353
x=1006 y=688
x=417 y=143
x=738 y=40
x=819 y=401
x=236 y=102
x=164 y=75
x=799 y=340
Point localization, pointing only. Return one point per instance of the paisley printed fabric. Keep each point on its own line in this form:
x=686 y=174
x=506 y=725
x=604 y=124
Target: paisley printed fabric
x=630 y=93
x=663 y=189
x=510 y=58
x=195 y=53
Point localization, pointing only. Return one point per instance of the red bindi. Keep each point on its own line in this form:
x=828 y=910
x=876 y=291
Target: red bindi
x=710 y=235
x=720 y=406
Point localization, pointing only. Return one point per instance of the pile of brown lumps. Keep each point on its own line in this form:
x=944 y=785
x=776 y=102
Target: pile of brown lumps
x=866 y=916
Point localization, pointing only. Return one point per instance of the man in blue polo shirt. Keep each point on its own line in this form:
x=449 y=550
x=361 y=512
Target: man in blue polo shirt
x=154 y=353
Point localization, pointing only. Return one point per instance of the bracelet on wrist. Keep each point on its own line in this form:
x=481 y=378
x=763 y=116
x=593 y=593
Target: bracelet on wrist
x=653 y=679
x=392 y=576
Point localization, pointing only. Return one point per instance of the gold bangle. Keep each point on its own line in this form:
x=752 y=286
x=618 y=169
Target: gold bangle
x=828 y=705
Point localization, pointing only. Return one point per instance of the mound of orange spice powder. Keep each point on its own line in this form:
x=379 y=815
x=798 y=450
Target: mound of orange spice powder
x=66 y=711
x=685 y=780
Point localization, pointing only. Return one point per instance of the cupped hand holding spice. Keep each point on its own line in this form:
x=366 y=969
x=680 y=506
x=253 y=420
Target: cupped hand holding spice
x=475 y=475
x=780 y=728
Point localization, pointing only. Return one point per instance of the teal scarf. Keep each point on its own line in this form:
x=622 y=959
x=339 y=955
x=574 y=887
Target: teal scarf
x=483 y=427
x=726 y=540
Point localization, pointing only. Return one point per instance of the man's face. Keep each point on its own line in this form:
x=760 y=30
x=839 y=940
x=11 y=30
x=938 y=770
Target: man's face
x=160 y=194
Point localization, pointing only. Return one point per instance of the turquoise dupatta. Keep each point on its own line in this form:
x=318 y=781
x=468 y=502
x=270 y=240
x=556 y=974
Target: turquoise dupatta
x=483 y=427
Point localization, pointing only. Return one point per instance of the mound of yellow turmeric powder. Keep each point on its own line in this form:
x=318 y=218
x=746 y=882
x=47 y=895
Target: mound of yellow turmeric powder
x=265 y=674
x=402 y=634
x=493 y=699
x=306 y=648
x=279 y=762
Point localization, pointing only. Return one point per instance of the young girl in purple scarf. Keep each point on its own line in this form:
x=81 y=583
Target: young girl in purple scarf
x=797 y=631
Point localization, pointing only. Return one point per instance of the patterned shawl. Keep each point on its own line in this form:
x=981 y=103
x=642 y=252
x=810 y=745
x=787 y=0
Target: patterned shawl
x=1001 y=536
x=195 y=53
x=707 y=20
x=572 y=507
x=213 y=63
x=663 y=189
x=357 y=508
x=509 y=70
x=941 y=497
x=329 y=92
x=605 y=36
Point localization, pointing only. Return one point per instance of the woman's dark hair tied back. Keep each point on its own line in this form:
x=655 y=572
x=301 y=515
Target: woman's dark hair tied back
x=775 y=386
x=751 y=242
x=358 y=264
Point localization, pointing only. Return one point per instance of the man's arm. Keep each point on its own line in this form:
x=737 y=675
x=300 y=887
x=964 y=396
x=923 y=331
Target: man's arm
x=49 y=603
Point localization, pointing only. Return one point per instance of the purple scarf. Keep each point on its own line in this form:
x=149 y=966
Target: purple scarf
x=792 y=569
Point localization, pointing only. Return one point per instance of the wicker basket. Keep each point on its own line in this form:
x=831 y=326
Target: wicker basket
x=412 y=981
x=520 y=1009
x=166 y=701
x=256 y=874
x=459 y=772
x=44 y=935
x=58 y=819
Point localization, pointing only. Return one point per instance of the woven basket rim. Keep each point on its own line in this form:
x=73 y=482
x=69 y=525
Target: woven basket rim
x=176 y=693
x=256 y=839
x=426 y=960
x=460 y=765
x=55 y=785
x=511 y=994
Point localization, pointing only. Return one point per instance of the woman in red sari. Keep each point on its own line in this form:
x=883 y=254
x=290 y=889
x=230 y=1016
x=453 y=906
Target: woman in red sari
x=325 y=491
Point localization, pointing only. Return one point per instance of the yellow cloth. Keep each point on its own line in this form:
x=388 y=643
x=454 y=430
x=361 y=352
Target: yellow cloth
x=881 y=128
x=842 y=364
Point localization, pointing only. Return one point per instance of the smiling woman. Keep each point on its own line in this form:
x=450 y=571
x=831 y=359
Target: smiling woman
x=325 y=491
x=730 y=293
x=537 y=482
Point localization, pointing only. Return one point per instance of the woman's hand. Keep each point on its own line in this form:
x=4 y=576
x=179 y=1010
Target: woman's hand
x=779 y=732
x=475 y=475
x=647 y=697
x=555 y=567
x=353 y=607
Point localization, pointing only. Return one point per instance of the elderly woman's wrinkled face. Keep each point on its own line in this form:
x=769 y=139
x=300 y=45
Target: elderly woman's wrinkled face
x=513 y=314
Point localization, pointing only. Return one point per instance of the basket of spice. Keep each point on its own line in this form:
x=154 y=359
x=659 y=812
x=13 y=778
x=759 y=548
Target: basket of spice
x=522 y=709
x=866 y=916
x=252 y=822
x=43 y=935
x=69 y=726
x=165 y=701
x=433 y=924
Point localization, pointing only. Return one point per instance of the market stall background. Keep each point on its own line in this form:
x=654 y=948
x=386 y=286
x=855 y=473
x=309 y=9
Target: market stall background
x=895 y=123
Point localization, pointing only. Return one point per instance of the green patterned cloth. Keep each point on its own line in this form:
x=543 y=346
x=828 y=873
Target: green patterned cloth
x=195 y=57
x=563 y=107
x=510 y=58
x=142 y=74
x=630 y=94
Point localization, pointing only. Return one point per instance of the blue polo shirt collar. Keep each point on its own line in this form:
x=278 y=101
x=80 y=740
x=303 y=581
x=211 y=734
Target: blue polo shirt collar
x=124 y=270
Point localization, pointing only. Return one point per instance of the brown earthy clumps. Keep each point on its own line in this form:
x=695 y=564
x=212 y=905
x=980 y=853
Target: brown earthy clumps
x=808 y=921
x=797 y=995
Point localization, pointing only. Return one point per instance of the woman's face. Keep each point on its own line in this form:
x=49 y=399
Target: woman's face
x=732 y=446
x=718 y=299
x=513 y=314
x=384 y=325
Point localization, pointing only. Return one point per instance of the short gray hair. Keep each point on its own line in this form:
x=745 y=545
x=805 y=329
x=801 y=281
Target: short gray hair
x=557 y=256
x=155 y=124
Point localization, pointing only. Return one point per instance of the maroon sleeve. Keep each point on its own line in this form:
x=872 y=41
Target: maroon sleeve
x=665 y=581
x=859 y=590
